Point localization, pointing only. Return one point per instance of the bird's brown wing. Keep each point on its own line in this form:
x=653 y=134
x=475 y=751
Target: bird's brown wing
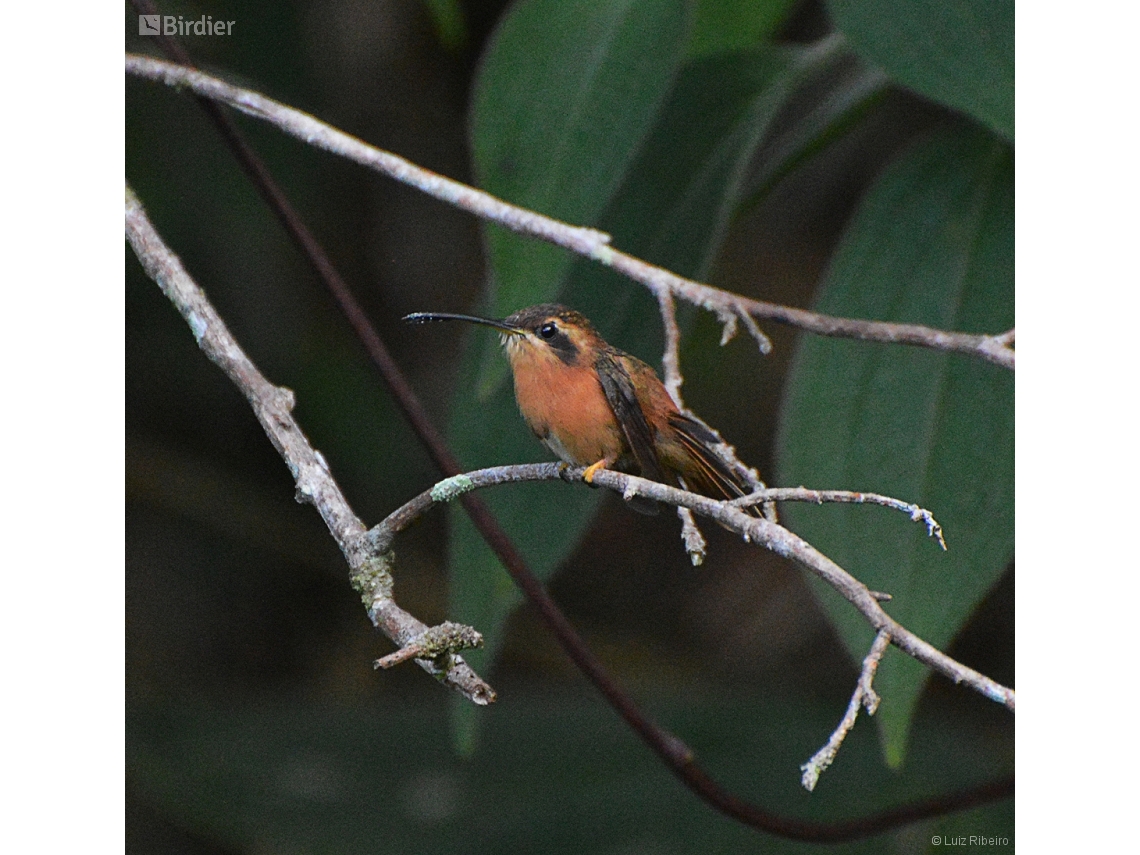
x=711 y=475
x=622 y=398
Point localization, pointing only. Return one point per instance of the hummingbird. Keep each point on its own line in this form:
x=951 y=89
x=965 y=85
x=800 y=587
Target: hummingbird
x=596 y=406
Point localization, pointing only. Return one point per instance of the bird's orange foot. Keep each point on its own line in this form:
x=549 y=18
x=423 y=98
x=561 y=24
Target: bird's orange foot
x=592 y=470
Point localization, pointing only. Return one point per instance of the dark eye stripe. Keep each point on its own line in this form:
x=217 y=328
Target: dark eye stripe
x=558 y=341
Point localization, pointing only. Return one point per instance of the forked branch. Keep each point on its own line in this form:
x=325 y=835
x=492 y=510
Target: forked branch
x=863 y=696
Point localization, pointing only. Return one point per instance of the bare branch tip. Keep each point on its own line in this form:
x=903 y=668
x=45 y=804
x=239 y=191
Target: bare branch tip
x=694 y=540
x=933 y=529
x=871 y=701
x=728 y=330
x=370 y=574
x=864 y=696
x=762 y=341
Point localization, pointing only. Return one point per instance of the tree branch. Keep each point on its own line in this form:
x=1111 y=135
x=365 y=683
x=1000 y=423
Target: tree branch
x=587 y=242
x=671 y=358
x=864 y=696
x=819 y=497
x=370 y=570
x=761 y=532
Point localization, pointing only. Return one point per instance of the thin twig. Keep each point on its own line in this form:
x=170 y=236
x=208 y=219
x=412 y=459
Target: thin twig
x=434 y=642
x=762 y=341
x=819 y=497
x=764 y=532
x=583 y=241
x=863 y=696
x=695 y=544
x=761 y=532
x=671 y=358
x=691 y=536
x=273 y=405
x=673 y=379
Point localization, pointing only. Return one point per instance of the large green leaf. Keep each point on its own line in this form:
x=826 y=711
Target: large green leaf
x=677 y=202
x=566 y=92
x=932 y=243
x=957 y=52
x=672 y=208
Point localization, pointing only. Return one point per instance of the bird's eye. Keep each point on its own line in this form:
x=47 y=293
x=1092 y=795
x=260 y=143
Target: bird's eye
x=548 y=330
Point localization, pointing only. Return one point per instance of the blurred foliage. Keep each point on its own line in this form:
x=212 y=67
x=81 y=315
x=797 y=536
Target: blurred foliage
x=304 y=776
x=728 y=140
x=450 y=26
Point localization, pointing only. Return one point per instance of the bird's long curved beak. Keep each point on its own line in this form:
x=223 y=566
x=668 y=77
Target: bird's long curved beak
x=427 y=317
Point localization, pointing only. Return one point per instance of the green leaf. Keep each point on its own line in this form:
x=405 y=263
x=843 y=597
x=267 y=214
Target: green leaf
x=843 y=89
x=932 y=243
x=672 y=208
x=566 y=92
x=727 y=25
x=956 y=52
x=685 y=186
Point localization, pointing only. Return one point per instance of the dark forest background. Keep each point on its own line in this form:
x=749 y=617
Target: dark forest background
x=255 y=720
